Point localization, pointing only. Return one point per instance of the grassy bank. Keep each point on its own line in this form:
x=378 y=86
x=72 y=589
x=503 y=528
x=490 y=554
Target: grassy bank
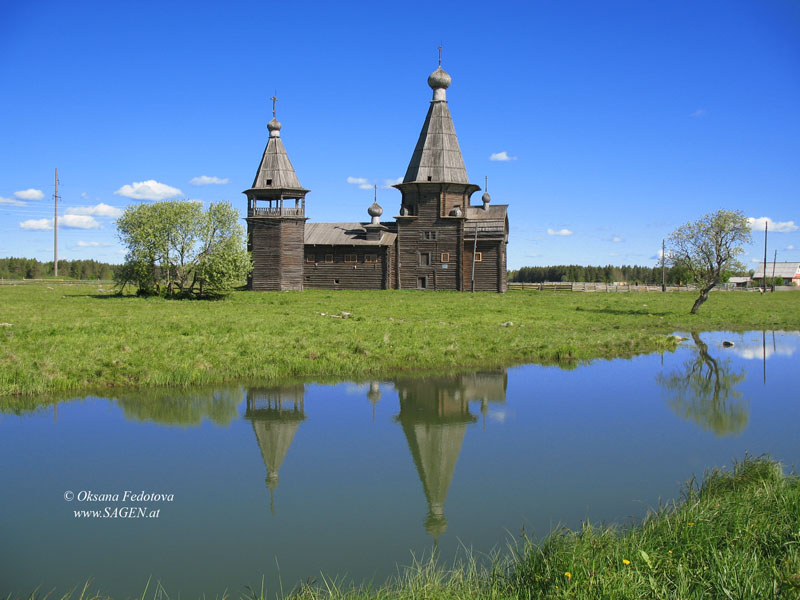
x=59 y=339
x=735 y=536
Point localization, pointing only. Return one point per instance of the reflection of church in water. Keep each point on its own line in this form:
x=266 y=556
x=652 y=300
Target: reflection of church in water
x=434 y=414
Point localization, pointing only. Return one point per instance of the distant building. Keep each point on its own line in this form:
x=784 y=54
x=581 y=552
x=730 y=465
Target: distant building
x=439 y=241
x=788 y=271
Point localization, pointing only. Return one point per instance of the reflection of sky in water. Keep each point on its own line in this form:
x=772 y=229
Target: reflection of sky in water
x=350 y=479
x=779 y=344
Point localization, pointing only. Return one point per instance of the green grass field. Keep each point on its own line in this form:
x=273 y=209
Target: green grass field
x=56 y=339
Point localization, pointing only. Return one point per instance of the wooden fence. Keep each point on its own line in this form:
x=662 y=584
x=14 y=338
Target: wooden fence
x=579 y=286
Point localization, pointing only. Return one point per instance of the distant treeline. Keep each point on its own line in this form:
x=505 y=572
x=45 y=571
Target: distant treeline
x=607 y=274
x=30 y=268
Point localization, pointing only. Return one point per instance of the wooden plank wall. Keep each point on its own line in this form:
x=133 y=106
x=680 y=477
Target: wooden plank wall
x=277 y=247
x=350 y=276
x=411 y=244
x=488 y=276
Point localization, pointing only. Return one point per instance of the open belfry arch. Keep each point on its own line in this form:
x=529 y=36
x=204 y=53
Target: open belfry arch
x=438 y=241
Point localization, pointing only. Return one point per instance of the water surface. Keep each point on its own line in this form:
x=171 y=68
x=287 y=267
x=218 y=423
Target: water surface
x=351 y=479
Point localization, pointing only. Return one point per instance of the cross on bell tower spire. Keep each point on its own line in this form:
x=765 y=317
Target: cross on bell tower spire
x=274 y=100
x=440 y=55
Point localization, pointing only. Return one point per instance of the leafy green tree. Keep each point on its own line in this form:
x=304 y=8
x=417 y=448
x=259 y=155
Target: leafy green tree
x=707 y=249
x=176 y=245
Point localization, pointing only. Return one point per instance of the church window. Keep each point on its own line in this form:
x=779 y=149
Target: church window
x=269 y=181
x=445 y=257
x=428 y=235
x=371 y=258
x=478 y=256
x=329 y=258
x=309 y=258
x=350 y=258
x=425 y=259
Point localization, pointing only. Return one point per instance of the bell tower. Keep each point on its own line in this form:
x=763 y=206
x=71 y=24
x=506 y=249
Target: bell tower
x=276 y=206
x=435 y=196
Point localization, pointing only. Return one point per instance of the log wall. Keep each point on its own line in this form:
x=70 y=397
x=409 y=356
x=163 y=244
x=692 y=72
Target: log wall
x=340 y=275
x=277 y=251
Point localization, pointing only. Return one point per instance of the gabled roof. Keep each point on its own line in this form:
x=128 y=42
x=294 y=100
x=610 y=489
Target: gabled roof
x=787 y=270
x=343 y=234
x=489 y=222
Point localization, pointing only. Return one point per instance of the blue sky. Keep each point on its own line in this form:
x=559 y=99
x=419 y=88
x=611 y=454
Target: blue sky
x=621 y=120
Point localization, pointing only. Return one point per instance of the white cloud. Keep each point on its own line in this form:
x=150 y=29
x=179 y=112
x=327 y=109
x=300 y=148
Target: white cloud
x=78 y=222
x=208 y=180
x=559 y=232
x=67 y=222
x=148 y=190
x=98 y=210
x=361 y=182
x=37 y=224
x=30 y=194
x=700 y=112
x=616 y=239
x=92 y=245
x=534 y=255
x=12 y=202
x=388 y=183
x=773 y=226
x=790 y=247
x=501 y=157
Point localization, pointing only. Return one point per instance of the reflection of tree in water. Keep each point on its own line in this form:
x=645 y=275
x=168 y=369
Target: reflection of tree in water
x=704 y=391
x=434 y=414
x=171 y=407
x=276 y=414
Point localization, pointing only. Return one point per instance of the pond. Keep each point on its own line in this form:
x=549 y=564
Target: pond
x=225 y=486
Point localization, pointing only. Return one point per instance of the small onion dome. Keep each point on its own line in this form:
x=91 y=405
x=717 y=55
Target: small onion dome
x=375 y=210
x=439 y=79
x=456 y=212
x=274 y=125
x=486 y=198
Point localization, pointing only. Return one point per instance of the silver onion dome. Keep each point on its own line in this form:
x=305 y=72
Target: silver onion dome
x=439 y=79
x=274 y=127
x=375 y=210
x=486 y=198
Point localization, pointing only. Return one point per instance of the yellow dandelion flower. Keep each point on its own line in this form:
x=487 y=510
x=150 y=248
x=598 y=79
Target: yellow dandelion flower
x=625 y=561
x=690 y=524
x=670 y=552
x=568 y=575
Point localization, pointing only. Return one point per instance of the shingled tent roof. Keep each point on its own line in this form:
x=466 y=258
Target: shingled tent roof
x=275 y=170
x=437 y=156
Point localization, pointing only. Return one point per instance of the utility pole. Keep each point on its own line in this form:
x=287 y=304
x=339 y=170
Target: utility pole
x=764 y=288
x=663 y=271
x=55 y=229
x=775 y=258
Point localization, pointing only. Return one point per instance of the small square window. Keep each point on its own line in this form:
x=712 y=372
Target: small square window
x=310 y=258
x=478 y=256
x=428 y=235
x=371 y=258
x=269 y=181
x=430 y=178
x=445 y=257
x=329 y=258
x=336 y=282
x=350 y=258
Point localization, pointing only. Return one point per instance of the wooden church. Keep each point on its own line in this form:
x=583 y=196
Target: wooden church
x=439 y=241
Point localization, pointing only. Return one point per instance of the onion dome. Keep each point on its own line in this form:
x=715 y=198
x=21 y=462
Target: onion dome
x=439 y=79
x=274 y=127
x=486 y=198
x=375 y=210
